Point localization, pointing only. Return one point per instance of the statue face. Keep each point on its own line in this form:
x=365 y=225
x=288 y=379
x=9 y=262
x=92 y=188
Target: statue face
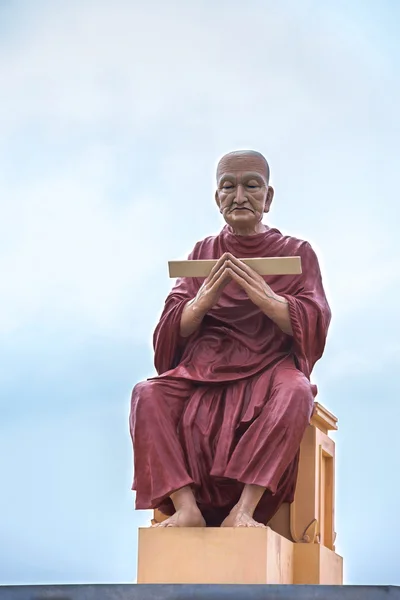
x=243 y=194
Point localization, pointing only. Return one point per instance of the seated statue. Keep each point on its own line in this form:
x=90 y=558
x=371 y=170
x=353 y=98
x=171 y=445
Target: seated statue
x=216 y=435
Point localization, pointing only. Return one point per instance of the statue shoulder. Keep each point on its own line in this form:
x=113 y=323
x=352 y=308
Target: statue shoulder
x=204 y=248
x=292 y=245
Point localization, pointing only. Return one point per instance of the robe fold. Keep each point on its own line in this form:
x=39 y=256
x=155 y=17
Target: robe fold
x=231 y=402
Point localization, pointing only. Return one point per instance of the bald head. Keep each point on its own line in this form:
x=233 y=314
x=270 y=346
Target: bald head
x=243 y=193
x=246 y=160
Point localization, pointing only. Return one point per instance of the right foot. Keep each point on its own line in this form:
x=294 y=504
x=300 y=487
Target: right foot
x=184 y=517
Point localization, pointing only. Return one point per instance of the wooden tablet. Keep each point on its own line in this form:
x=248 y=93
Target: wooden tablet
x=280 y=265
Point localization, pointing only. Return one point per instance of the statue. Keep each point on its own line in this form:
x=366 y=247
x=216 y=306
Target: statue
x=216 y=434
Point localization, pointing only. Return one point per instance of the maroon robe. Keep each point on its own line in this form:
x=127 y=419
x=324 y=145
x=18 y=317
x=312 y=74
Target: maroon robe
x=232 y=401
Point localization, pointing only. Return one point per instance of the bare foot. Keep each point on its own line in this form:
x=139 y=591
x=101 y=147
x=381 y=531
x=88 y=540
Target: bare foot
x=184 y=517
x=240 y=518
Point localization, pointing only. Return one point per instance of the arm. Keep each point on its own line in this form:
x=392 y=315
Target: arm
x=277 y=309
x=166 y=338
x=167 y=341
x=303 y=313
x=183 y=313
x=192 y=316
x=310 y=314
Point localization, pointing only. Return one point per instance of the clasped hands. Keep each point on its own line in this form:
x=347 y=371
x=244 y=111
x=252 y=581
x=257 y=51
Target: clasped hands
x=229 y=268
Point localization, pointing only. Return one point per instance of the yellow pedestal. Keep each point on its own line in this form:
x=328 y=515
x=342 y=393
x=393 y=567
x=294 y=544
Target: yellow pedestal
x=232 y=555
x=297 y=547
x=316 y=564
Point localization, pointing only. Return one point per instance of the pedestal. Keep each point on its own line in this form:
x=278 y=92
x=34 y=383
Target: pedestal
x=317 y=564
x=232 y=555
x=297 y=547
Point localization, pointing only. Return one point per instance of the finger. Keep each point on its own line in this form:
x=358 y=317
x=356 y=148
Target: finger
x=217 y=270
x=242 y=273
x=217 y=267
x=215 y=278
x=242 y=265
x=220 y=279
x=256 y=281
x=240 y=280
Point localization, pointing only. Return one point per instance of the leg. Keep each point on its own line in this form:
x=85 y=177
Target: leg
x=160 y=466
x=264 y=454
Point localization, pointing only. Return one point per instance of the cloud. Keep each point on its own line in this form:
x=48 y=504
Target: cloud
x=93 y=93
x=71 y=256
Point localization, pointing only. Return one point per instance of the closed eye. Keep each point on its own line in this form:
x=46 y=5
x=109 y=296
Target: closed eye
x=252 y=184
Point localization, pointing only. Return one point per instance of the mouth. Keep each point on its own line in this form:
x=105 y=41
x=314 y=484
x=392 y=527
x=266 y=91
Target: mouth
x=241 y=209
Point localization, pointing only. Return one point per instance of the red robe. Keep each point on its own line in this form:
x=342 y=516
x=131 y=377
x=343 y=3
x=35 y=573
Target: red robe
x=232 y=401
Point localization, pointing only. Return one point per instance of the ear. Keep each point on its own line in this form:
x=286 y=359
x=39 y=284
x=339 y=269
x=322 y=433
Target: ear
x=217 y=200
x=270 y=196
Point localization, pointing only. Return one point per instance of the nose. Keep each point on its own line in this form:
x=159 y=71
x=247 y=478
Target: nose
x=240 y=194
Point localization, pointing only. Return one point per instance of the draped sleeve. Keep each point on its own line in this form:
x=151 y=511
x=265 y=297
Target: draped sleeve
x=309 y=311
x=167 y=342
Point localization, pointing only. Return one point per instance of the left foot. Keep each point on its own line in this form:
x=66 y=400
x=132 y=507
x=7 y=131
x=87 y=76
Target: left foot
x=241 y=518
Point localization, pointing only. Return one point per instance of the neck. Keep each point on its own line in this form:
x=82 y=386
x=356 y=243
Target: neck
x=259 y=228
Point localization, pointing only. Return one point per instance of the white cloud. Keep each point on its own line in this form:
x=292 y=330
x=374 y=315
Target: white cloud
x=89 y=88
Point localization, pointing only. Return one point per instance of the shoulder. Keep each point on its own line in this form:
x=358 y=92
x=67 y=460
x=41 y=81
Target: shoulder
x=290 y=244
x=205 y=247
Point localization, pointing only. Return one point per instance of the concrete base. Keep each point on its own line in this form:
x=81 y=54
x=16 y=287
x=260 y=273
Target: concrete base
x=233 y=556
x=316 y=564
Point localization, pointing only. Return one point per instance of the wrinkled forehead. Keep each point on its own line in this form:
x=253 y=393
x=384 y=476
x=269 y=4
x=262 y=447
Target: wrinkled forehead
x=239 y=163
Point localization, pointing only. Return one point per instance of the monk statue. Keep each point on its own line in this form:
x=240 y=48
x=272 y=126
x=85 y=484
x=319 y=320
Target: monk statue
x=216 y=435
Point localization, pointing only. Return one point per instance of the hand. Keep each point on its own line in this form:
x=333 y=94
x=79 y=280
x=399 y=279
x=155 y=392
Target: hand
x=211 y=290
x=252 y=283
x=274 y=306
x=207 y=296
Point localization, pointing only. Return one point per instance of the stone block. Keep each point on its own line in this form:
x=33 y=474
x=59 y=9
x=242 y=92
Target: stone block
x=316 y=564
x=214 y=555
x=232 y=555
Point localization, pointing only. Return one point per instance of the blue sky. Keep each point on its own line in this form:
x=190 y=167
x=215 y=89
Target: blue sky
x=113 y=116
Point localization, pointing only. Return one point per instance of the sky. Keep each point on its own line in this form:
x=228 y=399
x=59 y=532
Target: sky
x=113 y=115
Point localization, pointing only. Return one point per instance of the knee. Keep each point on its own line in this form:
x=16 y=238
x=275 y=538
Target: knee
x=143 y=399
x=298 y=391
x=301 y=386
x=301 y=392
